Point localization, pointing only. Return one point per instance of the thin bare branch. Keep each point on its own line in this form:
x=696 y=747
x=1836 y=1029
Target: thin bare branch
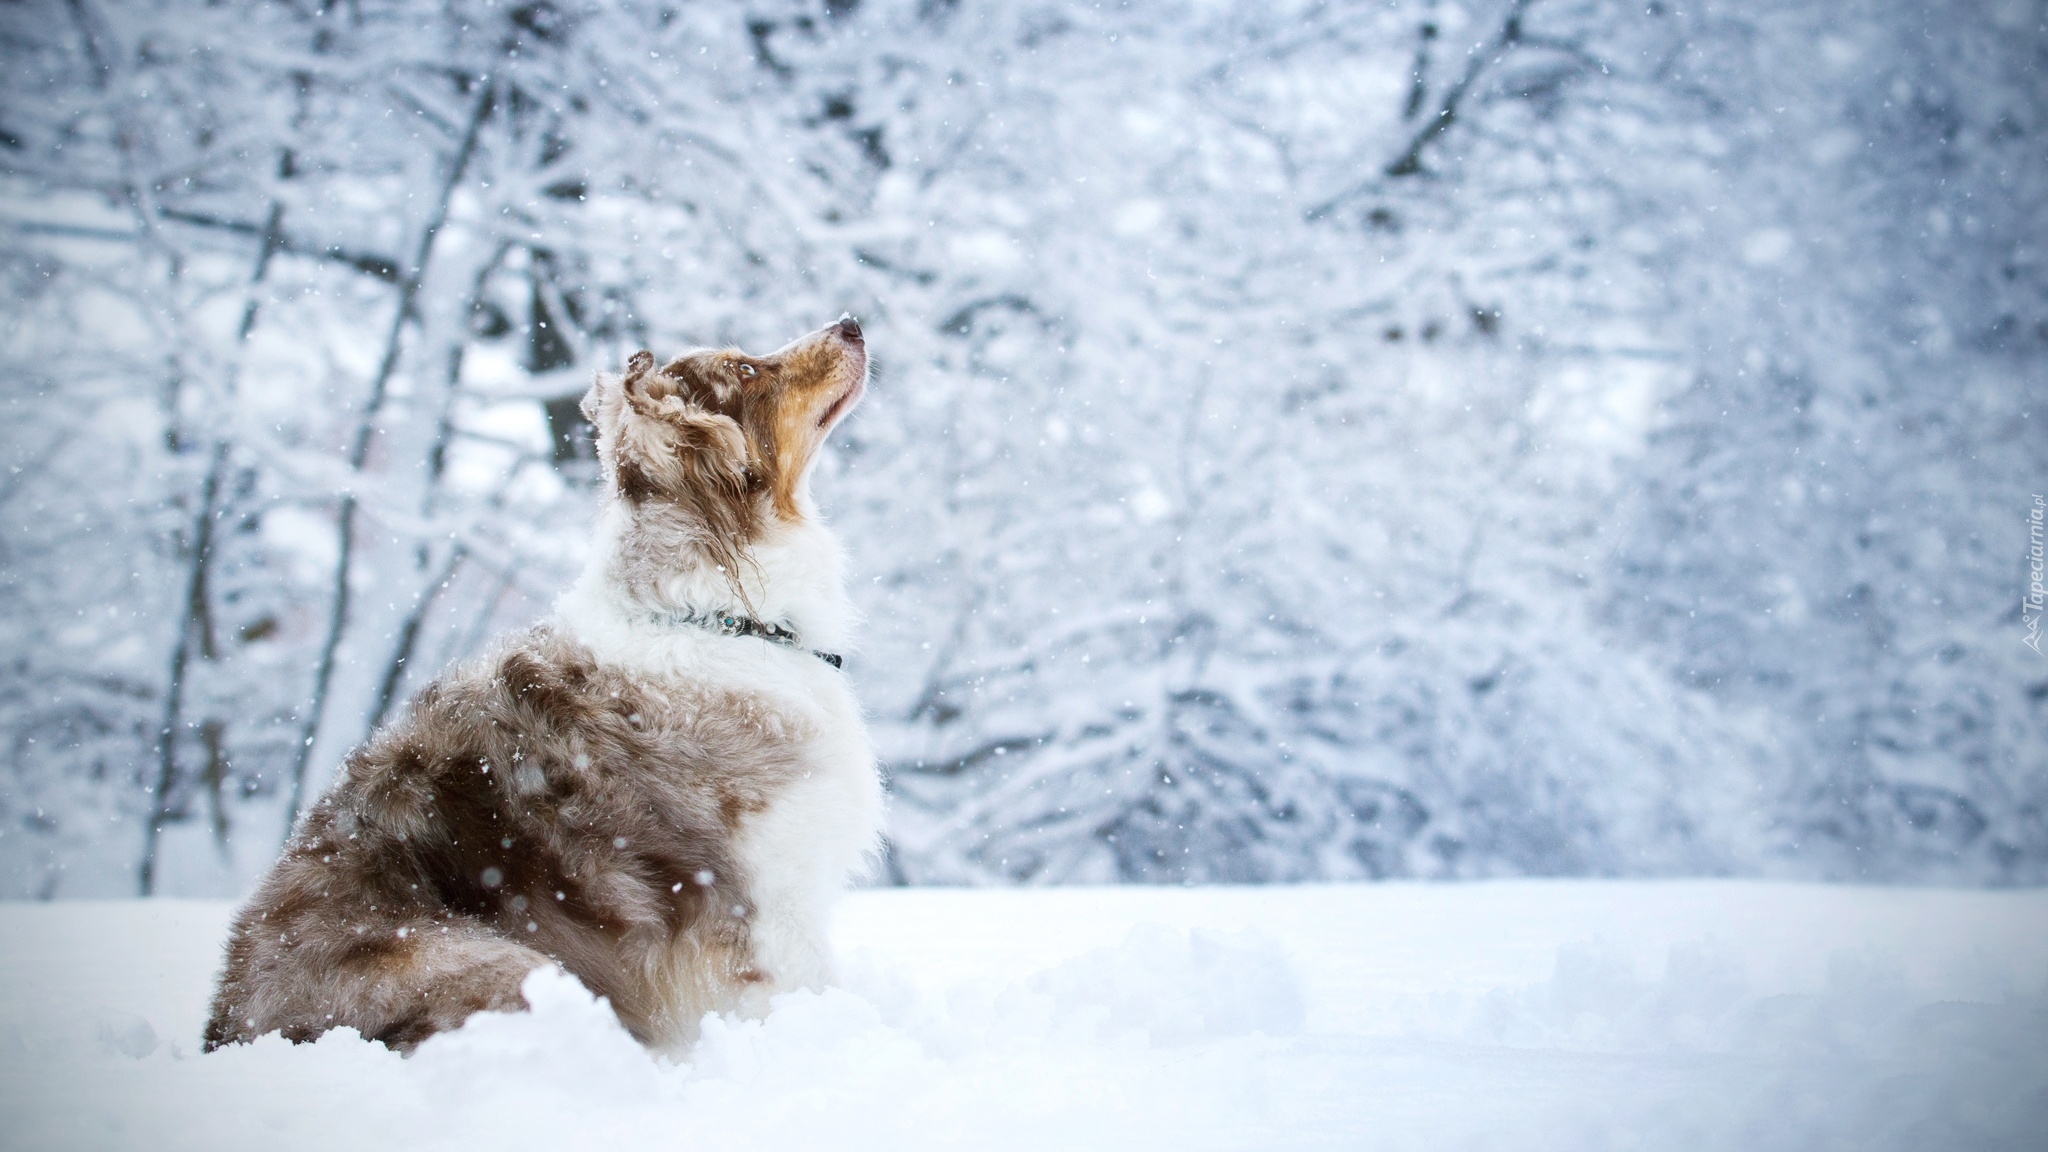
x=366 y=427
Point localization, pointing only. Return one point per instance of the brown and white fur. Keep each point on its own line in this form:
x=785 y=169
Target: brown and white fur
x=665 y=811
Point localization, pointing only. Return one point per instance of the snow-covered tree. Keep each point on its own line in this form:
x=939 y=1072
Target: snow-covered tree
x=1314 y=439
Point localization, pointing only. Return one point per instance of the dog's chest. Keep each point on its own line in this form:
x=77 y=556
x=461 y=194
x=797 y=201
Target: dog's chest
x=815 y=804
x=816 y=831
x=818 y=825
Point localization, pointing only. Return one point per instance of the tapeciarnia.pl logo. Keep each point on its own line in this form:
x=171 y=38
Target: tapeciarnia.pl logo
x=2037 y=597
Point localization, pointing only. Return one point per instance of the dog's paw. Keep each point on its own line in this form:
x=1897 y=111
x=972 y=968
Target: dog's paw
x=485 y=978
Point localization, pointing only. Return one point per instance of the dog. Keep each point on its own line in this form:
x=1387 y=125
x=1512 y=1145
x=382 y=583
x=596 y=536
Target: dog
x=662 y=787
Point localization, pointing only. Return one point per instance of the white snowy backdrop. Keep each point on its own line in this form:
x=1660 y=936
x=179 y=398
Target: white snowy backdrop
x=1309 y=440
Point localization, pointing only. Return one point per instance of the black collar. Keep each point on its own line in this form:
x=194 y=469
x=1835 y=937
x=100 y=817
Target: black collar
x=734 y=624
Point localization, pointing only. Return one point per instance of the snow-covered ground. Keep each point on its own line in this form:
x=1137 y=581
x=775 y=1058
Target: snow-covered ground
x=1571 y=1015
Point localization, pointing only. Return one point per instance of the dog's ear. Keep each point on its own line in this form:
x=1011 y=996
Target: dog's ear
x=674 y=454
x=644 y=386
x=603 y=399
x=676 y=450
x=685 y=455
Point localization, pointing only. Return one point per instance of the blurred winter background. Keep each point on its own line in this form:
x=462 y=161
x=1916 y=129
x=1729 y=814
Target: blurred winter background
x=1309 y=439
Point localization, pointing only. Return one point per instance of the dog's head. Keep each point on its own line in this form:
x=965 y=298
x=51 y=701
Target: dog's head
x=721 y=439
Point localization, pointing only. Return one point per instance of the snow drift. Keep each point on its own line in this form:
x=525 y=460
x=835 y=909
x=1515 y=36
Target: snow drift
x=1503 y=1015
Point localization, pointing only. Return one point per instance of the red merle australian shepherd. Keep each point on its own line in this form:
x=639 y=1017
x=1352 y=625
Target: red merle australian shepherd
x=660 y=788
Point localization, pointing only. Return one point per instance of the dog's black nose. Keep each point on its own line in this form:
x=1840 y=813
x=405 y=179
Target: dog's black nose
x=848 y=326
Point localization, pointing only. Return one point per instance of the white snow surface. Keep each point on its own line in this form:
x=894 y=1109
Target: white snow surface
x=1524 y=1014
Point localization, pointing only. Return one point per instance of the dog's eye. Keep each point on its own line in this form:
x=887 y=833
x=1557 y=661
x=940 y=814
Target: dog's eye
x=746 y=371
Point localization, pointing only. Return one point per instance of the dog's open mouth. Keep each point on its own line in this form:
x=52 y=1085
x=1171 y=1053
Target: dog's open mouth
x=840 y=405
